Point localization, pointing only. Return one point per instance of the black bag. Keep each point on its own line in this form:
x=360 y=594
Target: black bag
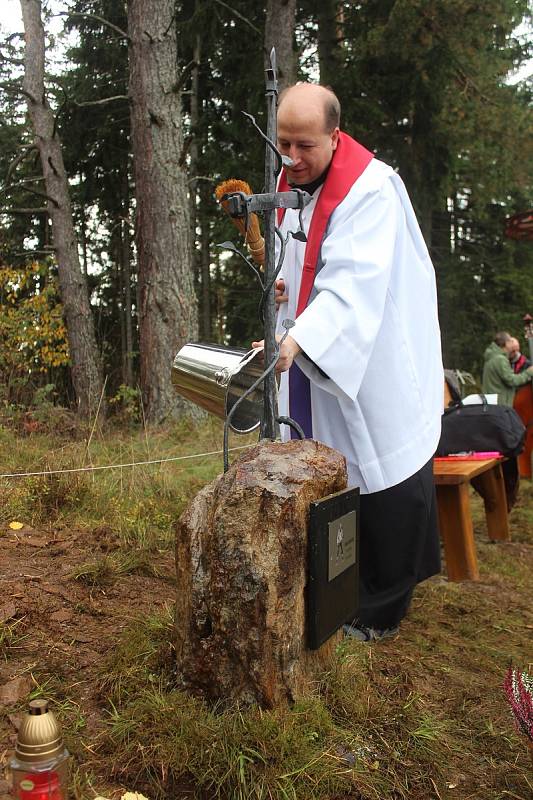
x=481 y=428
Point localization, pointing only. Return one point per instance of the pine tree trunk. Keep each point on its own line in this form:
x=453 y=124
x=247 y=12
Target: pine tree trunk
x=119 y=310
x=329 y=18
x=127 y=310
x=205 y=256
x=279 y=33
x=86 y=371
x=125 y=267
x=194 y=151
x=167 y=312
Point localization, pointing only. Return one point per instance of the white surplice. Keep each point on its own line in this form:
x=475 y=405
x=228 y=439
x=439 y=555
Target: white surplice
x=372 y=327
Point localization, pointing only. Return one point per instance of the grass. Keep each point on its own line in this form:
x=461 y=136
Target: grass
x=12 y=634
x=163 y=739
x=383 y=723
x=421 y=717
x=103 y=571
x=137 y=505
x=417 y=718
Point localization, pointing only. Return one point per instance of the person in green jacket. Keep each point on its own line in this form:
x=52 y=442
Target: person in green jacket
x=498 y=375
x=499 y=378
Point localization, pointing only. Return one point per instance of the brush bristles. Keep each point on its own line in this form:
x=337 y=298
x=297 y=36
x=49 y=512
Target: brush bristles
x=252 y=234
x=230 y=186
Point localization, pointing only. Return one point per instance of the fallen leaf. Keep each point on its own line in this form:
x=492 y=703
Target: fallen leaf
x=16 y=526
x=133 y=796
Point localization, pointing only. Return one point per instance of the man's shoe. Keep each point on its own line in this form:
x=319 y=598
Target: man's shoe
x=364 y=634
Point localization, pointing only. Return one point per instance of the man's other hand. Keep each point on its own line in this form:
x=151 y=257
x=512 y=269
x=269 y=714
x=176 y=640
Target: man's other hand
x=287 y=352
x=279 y=292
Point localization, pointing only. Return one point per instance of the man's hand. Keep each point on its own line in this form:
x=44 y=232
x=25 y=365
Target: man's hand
x=279 y=292
x=287 y=353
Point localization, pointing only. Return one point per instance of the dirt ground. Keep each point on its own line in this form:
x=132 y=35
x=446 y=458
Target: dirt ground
x=61 y=627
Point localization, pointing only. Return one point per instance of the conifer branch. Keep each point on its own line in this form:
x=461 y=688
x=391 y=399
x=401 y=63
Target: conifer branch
x=23 y=210
x=105 y=22
x=8 y=86
x=48 y=251
x=19 y=62
x=240 y=16
x=102 y=101
x=19 y=159
x=43 y=195
x=184 y=75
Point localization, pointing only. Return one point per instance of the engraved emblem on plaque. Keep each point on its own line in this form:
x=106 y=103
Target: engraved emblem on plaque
x=342 y=539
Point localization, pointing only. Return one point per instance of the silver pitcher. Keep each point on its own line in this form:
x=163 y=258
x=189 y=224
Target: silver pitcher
x=215 y=377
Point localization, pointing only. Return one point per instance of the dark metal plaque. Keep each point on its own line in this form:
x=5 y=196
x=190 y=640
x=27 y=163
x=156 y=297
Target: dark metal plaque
x=333 y=564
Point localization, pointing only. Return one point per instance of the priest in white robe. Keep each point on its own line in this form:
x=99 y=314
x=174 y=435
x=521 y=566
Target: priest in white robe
x=361 y=369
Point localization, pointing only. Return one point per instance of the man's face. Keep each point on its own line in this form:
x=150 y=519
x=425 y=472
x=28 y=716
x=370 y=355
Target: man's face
x=302 y=137
x=512 y=347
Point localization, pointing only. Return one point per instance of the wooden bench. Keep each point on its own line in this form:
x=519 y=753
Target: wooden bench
x=452 y=480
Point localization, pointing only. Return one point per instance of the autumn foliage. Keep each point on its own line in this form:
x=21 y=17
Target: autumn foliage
x=32 y=330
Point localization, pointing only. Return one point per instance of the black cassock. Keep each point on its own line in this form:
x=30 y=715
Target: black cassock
x=399 y=547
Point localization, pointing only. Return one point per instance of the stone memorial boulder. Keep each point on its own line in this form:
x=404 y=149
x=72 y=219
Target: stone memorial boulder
x=241 y=560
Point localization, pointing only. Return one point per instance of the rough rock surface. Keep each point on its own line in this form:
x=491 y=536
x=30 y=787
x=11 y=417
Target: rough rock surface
x=241 y=560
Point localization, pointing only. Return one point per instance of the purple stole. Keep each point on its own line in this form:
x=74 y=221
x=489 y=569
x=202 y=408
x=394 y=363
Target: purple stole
x=349 y=161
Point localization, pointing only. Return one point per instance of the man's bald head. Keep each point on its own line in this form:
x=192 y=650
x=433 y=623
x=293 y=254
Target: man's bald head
x=308 y=131
x=302 y=97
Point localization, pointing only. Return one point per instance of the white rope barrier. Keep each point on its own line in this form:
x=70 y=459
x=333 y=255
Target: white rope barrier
x=119 y=466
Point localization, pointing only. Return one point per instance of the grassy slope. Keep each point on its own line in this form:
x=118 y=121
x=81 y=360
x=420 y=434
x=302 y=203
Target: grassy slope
x=422 y=716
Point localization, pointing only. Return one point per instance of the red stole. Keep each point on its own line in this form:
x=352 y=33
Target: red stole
x=349 y=161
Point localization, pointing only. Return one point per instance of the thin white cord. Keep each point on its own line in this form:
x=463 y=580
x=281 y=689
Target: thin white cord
x=120 y=466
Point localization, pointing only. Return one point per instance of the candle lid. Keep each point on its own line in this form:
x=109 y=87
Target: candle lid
x=39 y=736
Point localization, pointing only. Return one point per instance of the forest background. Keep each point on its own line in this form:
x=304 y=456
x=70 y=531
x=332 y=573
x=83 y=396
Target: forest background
x=110 y=155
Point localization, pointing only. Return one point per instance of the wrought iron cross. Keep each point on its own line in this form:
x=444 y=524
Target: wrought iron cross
x=241 y=205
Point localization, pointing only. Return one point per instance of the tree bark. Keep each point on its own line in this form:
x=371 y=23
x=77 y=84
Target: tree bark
x=86 y=369
x=329 y=18
x=167 y=313
x=127 y=309
x=125 y=262
x=194 y=151
x=205 y=256
x=279 y=33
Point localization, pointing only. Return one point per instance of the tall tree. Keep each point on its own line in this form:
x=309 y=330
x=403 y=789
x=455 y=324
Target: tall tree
x=86 y=373
x=167 y=313
x=279 y=33
x=329 y=17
